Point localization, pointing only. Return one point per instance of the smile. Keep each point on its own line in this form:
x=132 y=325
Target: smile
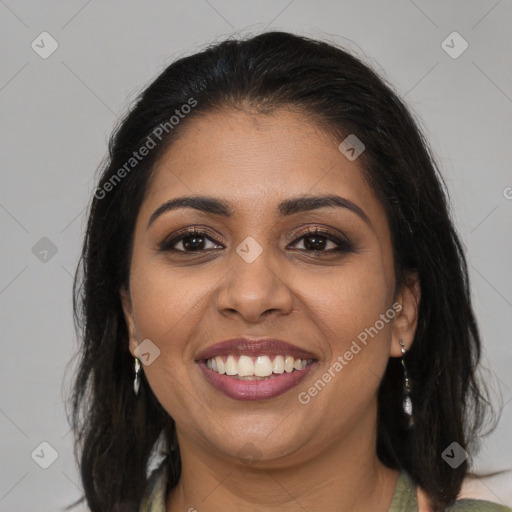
x=254 y=369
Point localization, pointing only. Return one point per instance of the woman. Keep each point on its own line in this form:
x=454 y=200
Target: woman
x=272 y=296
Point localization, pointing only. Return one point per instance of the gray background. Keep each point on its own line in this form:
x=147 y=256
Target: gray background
x=58 y=112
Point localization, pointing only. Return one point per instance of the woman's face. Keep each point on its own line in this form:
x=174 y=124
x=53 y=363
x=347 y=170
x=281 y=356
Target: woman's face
x=255 y=274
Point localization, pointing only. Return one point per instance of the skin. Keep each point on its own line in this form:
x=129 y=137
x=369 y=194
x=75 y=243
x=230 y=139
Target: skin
x=318 y=456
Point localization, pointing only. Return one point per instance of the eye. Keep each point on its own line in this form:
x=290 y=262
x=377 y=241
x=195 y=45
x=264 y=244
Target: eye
x=191 y=240
x=316 y=240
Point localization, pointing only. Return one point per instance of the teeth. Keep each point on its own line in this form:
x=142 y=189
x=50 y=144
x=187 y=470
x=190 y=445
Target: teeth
x=278 y=364
x=245 y=367
x=255 y=368
x=288 y=364
x=231 y=366
x=220 y=365
x=262 y=366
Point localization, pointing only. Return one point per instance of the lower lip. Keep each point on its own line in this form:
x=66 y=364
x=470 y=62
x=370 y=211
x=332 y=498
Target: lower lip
x=254 y=389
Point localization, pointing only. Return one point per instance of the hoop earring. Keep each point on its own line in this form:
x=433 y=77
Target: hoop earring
x=406 y=401
x=136 y=380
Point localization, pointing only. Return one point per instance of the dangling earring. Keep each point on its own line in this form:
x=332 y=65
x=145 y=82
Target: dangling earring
x=406 y=402
x=136 y=381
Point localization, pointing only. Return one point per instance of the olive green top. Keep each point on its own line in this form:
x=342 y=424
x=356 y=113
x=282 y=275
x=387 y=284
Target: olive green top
x=404 y=497
x=404 y=500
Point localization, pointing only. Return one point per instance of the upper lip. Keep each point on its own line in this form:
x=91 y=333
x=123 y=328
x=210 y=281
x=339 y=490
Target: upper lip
x=254 y=346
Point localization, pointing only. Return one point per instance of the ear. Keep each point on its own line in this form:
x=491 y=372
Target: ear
x=126 y=302
x=406 y=319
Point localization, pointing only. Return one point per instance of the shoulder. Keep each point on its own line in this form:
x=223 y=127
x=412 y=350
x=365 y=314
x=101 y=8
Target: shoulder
x=469 y=505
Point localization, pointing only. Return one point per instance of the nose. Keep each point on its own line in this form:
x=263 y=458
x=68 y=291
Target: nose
x=254 y=288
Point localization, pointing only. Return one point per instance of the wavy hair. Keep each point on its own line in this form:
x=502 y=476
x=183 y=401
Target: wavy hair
x=116 y=435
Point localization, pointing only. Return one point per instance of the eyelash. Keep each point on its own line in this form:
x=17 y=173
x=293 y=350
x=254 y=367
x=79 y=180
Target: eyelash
x=344 y=245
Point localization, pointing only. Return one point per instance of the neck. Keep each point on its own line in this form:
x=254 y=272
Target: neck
x=344 y=476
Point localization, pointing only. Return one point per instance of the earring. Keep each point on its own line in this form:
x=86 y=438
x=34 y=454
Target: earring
x=406 y=402
x=136 y=381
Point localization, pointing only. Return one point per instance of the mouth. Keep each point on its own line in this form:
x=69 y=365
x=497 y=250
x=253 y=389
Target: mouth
x=248 y=369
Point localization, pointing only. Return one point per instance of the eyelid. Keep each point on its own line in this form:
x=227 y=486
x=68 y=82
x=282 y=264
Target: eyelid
x=321 y=231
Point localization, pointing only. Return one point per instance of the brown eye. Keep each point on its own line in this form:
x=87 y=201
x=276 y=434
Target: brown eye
x=192 y=240
x=317 y=240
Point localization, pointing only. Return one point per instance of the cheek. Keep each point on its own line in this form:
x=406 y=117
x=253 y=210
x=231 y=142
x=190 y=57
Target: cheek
x=168 y=305
x=165 y=301
x=348 y=306
x=349 y=300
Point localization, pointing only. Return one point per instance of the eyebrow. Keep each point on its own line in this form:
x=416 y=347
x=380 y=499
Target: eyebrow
x=285 y=208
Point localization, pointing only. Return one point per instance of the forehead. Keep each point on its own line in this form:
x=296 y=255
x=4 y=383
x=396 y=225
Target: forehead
x=254 y=161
